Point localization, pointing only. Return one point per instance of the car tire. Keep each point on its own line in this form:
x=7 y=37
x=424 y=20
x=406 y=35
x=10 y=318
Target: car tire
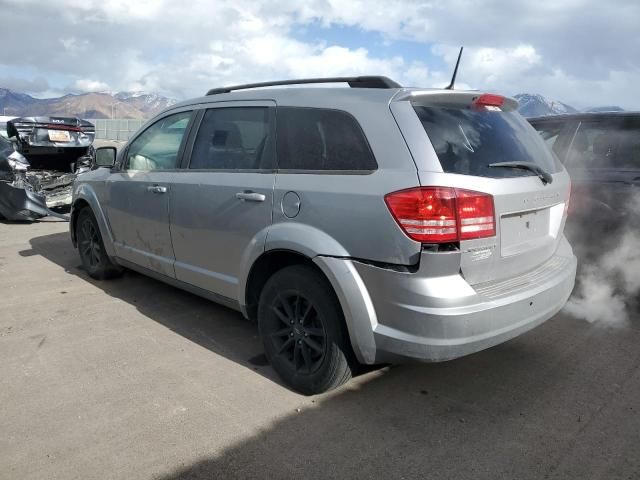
x=303 y=331
x=91 y=248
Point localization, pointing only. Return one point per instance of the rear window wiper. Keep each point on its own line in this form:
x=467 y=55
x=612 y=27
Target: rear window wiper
x=543 y=174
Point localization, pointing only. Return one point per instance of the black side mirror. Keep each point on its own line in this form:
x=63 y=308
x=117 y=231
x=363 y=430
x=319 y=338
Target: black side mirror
x=105 y=157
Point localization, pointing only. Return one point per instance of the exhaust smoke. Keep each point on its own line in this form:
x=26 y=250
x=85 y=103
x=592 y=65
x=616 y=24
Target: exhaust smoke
x=606 y=239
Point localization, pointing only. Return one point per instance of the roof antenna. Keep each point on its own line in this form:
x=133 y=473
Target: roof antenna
x=455 y=71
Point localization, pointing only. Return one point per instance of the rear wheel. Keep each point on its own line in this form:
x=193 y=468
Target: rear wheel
x=91 y=248
x=303 y=331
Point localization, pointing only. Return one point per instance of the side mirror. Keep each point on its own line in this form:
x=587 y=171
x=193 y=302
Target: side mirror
x=105 y=157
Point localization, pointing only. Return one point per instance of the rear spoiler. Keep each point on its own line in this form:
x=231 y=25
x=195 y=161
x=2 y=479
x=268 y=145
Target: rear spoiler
x=455 y=98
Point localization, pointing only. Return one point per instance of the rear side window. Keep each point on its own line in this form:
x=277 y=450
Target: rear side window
x=606 y=143
x=321 y=139
x=236 y=138
x=468 y=140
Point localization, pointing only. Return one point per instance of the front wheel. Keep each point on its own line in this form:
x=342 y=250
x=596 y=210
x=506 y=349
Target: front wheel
x=303 y=331
x=91 y=247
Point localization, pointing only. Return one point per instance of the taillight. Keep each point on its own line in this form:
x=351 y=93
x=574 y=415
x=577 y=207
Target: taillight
x=442 y=214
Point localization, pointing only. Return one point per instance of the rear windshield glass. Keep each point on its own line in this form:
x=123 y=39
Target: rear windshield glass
x=467 y=141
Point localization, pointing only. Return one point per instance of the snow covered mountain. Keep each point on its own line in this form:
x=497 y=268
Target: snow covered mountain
x=85 y=105
x=144 y=101
x=534 y=105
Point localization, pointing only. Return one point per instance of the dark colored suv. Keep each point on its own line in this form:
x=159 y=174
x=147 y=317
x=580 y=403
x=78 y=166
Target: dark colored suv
x=601 y=152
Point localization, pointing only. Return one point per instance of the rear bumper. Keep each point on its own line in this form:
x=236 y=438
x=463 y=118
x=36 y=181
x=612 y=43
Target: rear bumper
x=440 y=317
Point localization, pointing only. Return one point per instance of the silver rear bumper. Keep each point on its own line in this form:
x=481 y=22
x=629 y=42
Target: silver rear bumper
x=432 y=317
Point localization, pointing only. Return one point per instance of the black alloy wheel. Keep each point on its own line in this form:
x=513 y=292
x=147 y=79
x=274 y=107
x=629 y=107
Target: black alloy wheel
x=300 y=338
x=94 y=257
x=89 y=243
x=303 y=330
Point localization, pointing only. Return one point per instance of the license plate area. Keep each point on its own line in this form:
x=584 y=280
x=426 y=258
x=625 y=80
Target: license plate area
x=524 y=231
x=59 y=136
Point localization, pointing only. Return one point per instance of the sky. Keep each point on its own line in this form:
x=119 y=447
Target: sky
x=582 y=52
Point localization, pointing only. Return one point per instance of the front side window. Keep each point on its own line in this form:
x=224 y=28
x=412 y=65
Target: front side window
x=157 y=148
x=321 y=139
x=234 y=138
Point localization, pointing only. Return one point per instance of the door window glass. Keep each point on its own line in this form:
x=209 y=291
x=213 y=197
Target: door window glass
x=321 y=139
x=235 y=138
x=157 y=148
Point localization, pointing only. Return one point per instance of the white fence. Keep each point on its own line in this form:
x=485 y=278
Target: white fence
x=116 y=128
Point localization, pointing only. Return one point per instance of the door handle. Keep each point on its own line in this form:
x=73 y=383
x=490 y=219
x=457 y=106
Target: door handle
x=156 y=189
x=251 y=196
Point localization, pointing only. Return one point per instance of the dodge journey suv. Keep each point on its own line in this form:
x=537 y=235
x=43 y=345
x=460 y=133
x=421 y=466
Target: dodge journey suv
x=356 y=225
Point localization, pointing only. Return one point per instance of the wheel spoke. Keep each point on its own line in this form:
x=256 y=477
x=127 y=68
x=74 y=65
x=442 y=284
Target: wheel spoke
x=285 y=345
x=296 y=355
x=296 y=309
x=85 y=247
x=314 y=332
x=285 y=332
x=94 y=233
x=313 y=344
x=85 y=230
x=287 y=308
x=306 y=356
x=306 y=312
x=283 y=318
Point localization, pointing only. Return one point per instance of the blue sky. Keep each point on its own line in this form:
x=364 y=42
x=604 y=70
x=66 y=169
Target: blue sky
x=582 y=52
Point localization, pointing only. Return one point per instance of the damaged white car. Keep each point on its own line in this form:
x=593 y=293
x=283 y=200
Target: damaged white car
x=39 y=163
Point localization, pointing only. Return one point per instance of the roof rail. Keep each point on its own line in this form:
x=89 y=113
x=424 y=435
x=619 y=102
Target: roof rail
x=354 y=82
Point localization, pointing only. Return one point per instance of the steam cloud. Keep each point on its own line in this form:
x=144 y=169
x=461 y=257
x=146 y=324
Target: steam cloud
x=608 y=282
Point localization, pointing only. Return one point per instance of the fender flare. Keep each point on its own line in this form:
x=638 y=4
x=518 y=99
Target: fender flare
x=86 y=193
x=294 y=237
x=333 y=260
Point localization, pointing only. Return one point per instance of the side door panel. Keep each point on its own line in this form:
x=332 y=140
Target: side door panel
x=220 y=208
x=137 y=195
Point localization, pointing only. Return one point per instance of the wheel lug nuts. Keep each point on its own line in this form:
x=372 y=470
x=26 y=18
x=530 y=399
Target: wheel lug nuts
x=299 y=342
x=291 y=334
x=291 y=322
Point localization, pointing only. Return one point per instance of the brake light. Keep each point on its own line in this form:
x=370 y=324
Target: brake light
x=60 y=127
x=442 y=214
x=489 y=100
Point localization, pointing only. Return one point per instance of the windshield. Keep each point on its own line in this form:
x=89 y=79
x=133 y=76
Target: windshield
x=468 y=140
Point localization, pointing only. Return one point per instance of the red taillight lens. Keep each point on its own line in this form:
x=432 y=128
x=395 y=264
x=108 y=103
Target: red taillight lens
x=489 y=100
x=442 y=214
x=425 y=214
x=476 y=214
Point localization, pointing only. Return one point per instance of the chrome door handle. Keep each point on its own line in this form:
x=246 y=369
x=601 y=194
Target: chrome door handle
x=156 y=189
x=251 y=196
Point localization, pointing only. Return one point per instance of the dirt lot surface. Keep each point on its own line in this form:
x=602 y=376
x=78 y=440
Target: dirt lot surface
x=133 y=379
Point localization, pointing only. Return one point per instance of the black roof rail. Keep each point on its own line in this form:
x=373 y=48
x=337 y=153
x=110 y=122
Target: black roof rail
x=354 y=82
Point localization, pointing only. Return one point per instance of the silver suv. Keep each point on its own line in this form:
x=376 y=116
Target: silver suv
x=357 y=225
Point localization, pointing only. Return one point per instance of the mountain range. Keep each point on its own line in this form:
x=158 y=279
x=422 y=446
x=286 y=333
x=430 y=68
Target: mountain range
x=84 y=105
x=145 y=105
x=535 y=105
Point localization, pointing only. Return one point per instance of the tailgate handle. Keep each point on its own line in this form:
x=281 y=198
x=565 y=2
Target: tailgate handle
x=251 y=196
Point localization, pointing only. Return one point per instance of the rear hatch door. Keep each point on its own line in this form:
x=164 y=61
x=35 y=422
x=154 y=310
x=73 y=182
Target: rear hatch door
x=467 y=142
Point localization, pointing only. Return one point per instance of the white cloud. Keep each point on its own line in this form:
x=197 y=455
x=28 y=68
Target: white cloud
x=87 y=85
x=581 y=51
